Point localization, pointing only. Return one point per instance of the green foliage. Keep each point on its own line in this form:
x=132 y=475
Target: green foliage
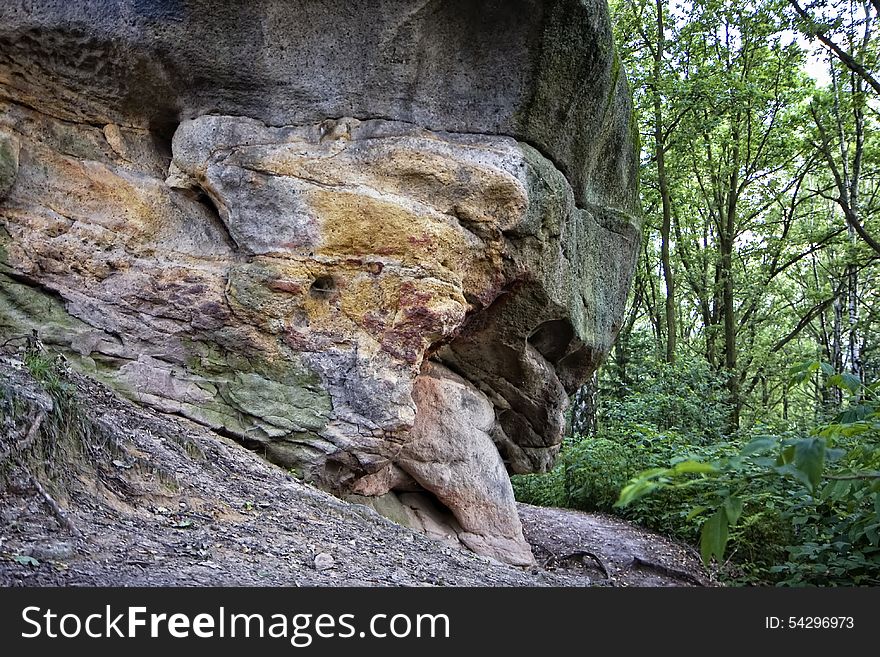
x=594 y=470
x=686 y=398
x=541 y=489
x=827 y=486
x=667 y=414
x=772 y=504
x=759 y=220
x=49 y=371
x=588 y=475
x=39 y=365
x=761 y=536
x=65 y=435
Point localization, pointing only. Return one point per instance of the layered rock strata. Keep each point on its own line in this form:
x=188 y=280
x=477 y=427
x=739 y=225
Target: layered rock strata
x=383 y=243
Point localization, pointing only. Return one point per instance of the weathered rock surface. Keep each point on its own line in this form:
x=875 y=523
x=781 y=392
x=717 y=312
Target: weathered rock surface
x=161 y=501
x=9 y=148
x=276 y=219
x=451 y=454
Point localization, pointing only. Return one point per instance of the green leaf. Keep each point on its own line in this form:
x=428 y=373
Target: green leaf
x=798 y=378
x=794 y=369
x=855 y=413
x=836 y=490
x=855 y=429
x=693 y=466
x=697 y=510
x=733 y=508
x=846 y=381
x=806 y=366
x=713 y=537
x=786 y=455
x=758 y=444
x=826 y=368
x=800 y=372
x=809 y=458
x=635 y=490
x=653 y=472
x=852 y=382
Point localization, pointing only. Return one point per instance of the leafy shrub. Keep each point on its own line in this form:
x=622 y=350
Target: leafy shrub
x=825 y=486
x=591 y=471
x=686 y=398
x=761 y=536
x=774 y=504
x=541 y=489
x=594 y=470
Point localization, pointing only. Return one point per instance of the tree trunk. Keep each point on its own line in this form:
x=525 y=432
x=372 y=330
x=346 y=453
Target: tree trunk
x=854 y=355
x=666 y=225
x=583 y=414
x=726 y=244
x=832 y=397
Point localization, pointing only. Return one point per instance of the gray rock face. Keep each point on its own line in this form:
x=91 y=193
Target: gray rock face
x=542 y=71
x=9 y=147
x=278 y=219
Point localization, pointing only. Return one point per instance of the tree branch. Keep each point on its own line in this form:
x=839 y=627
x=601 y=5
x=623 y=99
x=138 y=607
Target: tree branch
x=848 y=60
x=806 y=319
x=849 y=214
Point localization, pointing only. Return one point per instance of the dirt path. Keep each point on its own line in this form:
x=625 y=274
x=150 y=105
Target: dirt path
x=166 y=502
x=614 y=552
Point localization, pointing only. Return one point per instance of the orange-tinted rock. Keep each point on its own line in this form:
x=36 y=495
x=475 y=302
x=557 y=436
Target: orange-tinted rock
x=388 y=273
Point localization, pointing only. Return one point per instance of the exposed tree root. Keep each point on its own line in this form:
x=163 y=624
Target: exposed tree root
x=62 y=515
x=580 y=554
x=28 y=439
x=666 y=570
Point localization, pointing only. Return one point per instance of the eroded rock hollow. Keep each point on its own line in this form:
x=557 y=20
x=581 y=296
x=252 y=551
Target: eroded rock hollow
x=382 y=242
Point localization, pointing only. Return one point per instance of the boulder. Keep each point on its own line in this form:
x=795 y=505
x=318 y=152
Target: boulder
x=381 y=243
x=451 y=454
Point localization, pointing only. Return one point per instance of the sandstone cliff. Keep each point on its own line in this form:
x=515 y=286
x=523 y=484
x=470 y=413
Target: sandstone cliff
x=383 y=242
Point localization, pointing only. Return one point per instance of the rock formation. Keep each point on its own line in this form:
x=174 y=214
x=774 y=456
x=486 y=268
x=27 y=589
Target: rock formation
x=382 y=242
